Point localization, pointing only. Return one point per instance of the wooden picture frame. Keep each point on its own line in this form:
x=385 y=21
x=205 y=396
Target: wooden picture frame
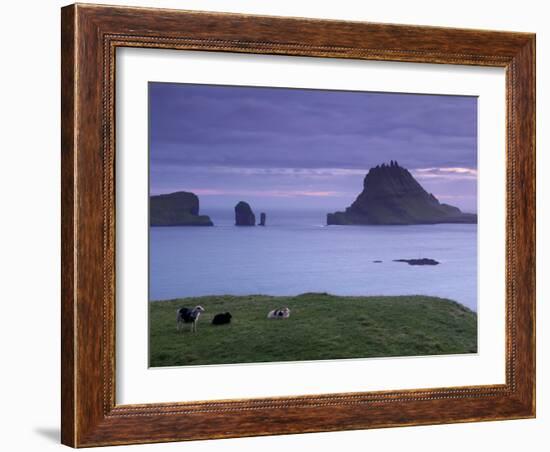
x=90 y=36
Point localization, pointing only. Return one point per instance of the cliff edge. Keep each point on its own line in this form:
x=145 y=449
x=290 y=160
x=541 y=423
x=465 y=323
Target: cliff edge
x=176 y=209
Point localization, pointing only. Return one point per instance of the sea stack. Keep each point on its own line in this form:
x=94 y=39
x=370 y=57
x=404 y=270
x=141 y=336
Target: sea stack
x=262 y=219
x=392 y=196
x=244 y=215
x=176 y=209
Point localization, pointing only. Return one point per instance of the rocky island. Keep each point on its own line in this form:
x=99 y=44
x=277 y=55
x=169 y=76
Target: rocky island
x=177 y=209
x=392 y=196
x=421 y=261
x=244 y=215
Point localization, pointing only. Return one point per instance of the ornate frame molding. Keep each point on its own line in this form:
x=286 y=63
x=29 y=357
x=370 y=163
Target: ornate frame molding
x=90 y=37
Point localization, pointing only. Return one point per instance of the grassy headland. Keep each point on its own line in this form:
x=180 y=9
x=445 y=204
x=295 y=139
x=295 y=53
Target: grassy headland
x=321 y=326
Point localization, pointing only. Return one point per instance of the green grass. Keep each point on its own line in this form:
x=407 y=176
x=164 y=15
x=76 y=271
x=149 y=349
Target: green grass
x=321 y=326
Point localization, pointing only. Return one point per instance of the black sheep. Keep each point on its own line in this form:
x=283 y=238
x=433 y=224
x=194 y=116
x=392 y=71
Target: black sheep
x=222 y=319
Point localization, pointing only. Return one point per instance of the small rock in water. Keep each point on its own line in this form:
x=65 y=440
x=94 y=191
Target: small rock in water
x=262 y=219
x=423 y=261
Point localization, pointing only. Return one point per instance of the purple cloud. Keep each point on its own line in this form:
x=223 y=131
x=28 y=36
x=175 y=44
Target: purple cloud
x=268 y=141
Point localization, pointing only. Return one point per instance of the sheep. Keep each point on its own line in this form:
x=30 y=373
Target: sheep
x=282 y=313
x=222 y=319
x=186 y=315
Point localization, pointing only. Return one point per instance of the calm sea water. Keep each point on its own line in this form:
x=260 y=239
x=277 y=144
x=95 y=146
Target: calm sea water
x=297 y=253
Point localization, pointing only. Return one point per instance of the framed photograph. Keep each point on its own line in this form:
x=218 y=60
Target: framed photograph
x=281 y=225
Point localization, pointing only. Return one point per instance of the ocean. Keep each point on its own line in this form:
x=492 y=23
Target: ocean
x=296 y=253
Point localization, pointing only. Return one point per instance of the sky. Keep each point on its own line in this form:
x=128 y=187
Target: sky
x=281 y=148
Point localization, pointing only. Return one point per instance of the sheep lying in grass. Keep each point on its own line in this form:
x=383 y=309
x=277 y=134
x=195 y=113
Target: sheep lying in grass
x=282 y=313
x=222 y=319
x=186 y=315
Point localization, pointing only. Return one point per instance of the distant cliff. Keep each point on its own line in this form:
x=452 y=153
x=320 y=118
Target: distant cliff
x=177 y=209
x=244 y=215
x=391 y=195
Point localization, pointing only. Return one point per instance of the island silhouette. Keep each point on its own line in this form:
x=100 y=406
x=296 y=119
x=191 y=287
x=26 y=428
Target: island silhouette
x=392 y=196
x=176 y=209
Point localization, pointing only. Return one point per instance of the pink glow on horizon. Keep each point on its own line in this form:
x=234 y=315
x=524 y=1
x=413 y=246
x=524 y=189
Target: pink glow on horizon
x=445 y=173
